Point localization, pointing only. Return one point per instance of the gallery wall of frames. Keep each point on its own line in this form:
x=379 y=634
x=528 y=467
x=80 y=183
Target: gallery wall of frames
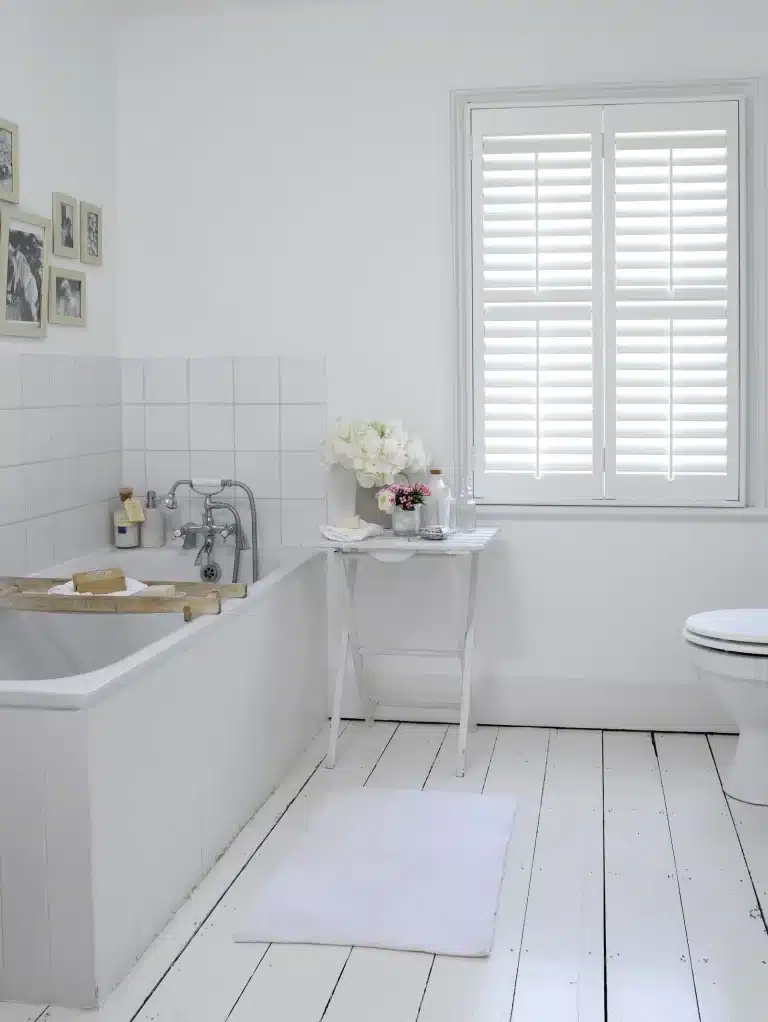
x=35 y=291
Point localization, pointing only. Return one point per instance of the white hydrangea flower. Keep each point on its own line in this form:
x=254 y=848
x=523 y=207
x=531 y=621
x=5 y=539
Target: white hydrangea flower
x=376 y=451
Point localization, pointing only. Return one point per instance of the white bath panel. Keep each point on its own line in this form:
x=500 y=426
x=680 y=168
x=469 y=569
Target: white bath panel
x=645 y=930
x=560 y=973
x=460 y=989
x=726 y=934
x=751 y=822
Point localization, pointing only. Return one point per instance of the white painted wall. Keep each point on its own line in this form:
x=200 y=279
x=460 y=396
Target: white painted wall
x=57 y=82
x=284 y=187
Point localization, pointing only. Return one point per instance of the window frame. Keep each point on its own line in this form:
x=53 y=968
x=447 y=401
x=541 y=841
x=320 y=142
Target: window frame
x=752 y=360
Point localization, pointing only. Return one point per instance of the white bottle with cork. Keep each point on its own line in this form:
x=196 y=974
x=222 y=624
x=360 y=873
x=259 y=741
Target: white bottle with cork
x=438 y=504
x=153 y=529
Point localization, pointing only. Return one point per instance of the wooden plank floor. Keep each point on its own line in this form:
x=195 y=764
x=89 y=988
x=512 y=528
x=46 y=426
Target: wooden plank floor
x=634 y=890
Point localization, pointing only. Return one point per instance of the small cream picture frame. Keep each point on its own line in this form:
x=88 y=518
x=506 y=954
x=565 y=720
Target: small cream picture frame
x=65 y=226
x=24 y=263
x=67 y=301
x=9 y=157
x=91 y=234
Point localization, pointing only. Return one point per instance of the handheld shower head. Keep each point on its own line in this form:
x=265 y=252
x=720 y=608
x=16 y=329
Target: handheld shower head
x=170 y=503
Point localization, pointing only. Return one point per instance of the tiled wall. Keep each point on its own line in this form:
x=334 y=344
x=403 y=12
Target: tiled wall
x=59 y=456
x=259 y=419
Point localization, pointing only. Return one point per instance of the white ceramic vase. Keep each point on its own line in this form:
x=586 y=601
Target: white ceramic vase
x=406 y=523
x=342 y=494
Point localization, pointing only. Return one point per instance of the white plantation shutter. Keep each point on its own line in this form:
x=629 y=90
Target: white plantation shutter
x=671 y=200
x=606 y=376
x=537 y=302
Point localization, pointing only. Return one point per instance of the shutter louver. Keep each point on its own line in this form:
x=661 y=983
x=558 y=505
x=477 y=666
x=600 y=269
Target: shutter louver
x=534 y=235
x=671 y=211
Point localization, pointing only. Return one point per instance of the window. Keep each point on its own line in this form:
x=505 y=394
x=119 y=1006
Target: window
x=604 y=310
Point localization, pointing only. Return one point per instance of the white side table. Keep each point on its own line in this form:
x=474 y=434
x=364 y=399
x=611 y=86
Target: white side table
x=393 y=548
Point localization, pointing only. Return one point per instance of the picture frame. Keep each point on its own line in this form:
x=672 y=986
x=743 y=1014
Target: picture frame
x=65 y=226
x=9 y=161
x=67 y=300
x=24 y=264
x=91 y=233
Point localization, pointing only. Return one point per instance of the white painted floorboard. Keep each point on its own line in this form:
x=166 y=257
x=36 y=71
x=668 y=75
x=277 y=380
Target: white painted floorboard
x=679 y=868
x=648 y=970
x=477 y=989
x=751 y=823
x=726 y=934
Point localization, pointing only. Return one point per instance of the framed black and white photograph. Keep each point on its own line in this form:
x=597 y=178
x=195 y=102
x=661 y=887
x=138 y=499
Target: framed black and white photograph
x=91 y=230
x=67 y=300
x=9 y=161
x=66 y=226
x=24 y=248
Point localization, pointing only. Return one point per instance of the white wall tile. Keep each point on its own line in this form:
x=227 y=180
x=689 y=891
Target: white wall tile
x=10 y=436
x=133 y=471
x=64 y=484
x=211 y=380
x=269 y=526
x=164 y=468
x=87 y=380
x=11 y=495
x=13 y=549
x=303 y=476
x=257 y=427
x=62 y=423
x=211 y=428
x=302 y=379
x=260 y=470
x=303 y=427
x=111 y=417
x=212 y=465
x=66 y=534
x=38 y=489
x=257 y=380
x=63 y=379
x=301 y=521
x=36 y=436
x=167 y=427
x=132 y=380
x=165 y=381
x=10 y=379
x=35 y=381
x=39 y=544
x=133 y=428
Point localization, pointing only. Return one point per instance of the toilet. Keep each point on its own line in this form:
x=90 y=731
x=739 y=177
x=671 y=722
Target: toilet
x=729 y=649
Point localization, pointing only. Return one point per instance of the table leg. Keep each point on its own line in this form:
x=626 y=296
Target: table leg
x=333 y=737
x=363 y=687
x=466 y=665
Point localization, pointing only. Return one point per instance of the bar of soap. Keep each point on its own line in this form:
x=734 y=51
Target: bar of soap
x=100 y=583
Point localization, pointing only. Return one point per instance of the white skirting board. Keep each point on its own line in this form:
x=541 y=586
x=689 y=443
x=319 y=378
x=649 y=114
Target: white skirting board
x=507 y=699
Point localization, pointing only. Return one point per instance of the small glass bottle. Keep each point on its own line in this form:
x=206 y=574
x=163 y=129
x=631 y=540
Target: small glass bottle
x=466 y=507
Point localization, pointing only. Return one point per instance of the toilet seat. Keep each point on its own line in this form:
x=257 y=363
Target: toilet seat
x=744 y=630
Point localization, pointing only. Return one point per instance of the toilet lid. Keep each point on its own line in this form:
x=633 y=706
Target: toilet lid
x=748 y=625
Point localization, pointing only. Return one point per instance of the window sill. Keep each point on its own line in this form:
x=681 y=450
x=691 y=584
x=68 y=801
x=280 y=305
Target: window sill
x=592 y=513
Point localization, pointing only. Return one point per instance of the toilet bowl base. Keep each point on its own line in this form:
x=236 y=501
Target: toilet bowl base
x=747 y=777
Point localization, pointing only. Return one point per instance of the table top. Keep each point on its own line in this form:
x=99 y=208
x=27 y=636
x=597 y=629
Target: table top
x=457 y=543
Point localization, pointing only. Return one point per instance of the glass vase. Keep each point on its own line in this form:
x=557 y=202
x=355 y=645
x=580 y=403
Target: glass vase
x=406 y=523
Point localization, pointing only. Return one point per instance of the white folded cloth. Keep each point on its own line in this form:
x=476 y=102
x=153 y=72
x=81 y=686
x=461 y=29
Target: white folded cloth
x=132 y=586
x=338 y=534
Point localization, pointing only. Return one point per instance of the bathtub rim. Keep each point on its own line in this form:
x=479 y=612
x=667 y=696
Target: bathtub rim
x=80 y=691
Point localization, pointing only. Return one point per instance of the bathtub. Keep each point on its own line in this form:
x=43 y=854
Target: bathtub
x=133 y=748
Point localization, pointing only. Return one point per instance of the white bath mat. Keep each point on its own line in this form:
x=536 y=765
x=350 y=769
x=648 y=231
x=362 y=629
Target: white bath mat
x=406 y=870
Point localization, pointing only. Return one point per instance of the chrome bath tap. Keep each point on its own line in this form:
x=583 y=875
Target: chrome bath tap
x=209 y=529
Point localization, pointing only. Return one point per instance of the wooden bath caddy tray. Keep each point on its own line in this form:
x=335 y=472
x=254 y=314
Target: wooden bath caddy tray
x=192 y=598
